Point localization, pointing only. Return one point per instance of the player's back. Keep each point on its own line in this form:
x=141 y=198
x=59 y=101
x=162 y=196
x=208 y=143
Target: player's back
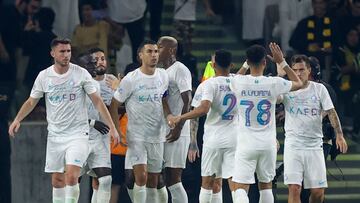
x=222 y=122
x=257 y=99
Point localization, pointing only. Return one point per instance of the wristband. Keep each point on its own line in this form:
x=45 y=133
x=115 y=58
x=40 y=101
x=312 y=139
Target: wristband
x=246 y=65
x=283 y=64
x=92 y=122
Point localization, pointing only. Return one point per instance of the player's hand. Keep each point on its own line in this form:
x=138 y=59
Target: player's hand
x=193 y=152
x=101 y=127
x=341 y=143
x=277 y=145
x=113 y=82
x=173 y=135
x=115 y=138
x=277 y=54
x=173 y=120
x=14 y=127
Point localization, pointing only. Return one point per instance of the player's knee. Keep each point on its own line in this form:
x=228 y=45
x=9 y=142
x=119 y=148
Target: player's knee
x=216 y=187
x=95 y=183
x=57 y=181
x=294 y=190
x=71 y=179
x=141 y=178
x=317 y=194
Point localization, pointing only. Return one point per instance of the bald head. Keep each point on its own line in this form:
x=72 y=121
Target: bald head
x=168 y=42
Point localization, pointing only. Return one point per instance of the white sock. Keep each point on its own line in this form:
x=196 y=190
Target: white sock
x=139 y=194
x=266 y=196
x=72 y=193
x=233 y=195
x=152 y=195
x=104 y=191
x=178 y=193
x=163 y=195
x=240 y=196
x=131 y=194
x=94 y=196
x=58 y=195
x=217 y=197
x=205 y=196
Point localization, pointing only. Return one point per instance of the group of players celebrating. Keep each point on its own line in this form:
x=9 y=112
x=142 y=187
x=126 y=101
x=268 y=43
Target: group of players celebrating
x=239 y=133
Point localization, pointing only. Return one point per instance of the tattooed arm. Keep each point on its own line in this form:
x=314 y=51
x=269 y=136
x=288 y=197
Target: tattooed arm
x=193 y=147
x=335 y=123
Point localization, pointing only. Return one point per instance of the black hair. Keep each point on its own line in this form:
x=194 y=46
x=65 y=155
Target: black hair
x=223 y=58
x=46 y=18
x=255 y=54
x=145 y=42
x=299 y=58
x=59 y=40
x=96 y=49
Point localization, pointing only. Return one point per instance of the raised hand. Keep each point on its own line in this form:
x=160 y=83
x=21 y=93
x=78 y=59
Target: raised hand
x=113 y=82
x=277 y=54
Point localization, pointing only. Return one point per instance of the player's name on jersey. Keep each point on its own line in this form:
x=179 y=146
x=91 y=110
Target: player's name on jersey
x=256 y=93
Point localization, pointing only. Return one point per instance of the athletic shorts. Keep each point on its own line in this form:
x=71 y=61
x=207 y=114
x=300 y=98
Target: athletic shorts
x=218 y=161
x=140 y=152
x=118 y=169
x=98 y=157
x=305 y=165
x=175 y=153
x=247 y=162
x=61 y=152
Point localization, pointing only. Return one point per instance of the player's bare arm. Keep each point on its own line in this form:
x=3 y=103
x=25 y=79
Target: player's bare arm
x=113 y=109
x=100 y=106
x=335 y=123
x=245 y=66
x=193 y=147
x=201 y=110
x=175 y=133
x=25 y=109
x=278 y=58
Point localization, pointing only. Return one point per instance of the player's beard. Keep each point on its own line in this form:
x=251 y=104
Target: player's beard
x=100 y=71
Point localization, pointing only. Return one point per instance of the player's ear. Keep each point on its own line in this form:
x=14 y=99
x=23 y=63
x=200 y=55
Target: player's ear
x=52 y=53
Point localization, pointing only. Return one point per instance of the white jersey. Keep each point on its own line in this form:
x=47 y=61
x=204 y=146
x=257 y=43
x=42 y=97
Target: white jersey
x=143 y=95
x=222 y=122
x=106 y=92
x=257 y=100
x=93 y=113
x=303 y=116
x=179 y=82
x=65 y=100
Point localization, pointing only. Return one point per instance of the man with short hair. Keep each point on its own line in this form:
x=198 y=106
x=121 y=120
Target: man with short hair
x=214 y=98
x=179 y=98
x=143 y=91
x=304 y=110
x=256 y=146
x=66 y=87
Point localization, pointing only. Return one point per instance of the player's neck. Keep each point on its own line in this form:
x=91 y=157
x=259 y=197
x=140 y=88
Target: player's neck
x=170 y=62
x=147 y=70
x=256 y=72
x=99 y=77
x=306 y=84
x=222 y=73
x=59 y=69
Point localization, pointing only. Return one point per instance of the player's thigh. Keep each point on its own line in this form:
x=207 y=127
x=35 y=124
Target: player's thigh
x=315 y=170
x=136 y=154
x=118 y=169
x=211 y=162
x=245 y=166
x=293 y=166
x=155 y=154
x=266 y=165
x=77 y=152
x=175 y=153
x=228 y=162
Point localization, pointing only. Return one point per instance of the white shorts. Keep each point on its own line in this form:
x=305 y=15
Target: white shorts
x=175 y=153
x=218 y=161
x=247 y=162
x=305 y=165
x=99 y=156
x=61 y=152
x=140 y=152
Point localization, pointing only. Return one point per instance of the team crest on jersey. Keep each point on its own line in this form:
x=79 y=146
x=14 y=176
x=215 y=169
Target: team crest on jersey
x=313 y=99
